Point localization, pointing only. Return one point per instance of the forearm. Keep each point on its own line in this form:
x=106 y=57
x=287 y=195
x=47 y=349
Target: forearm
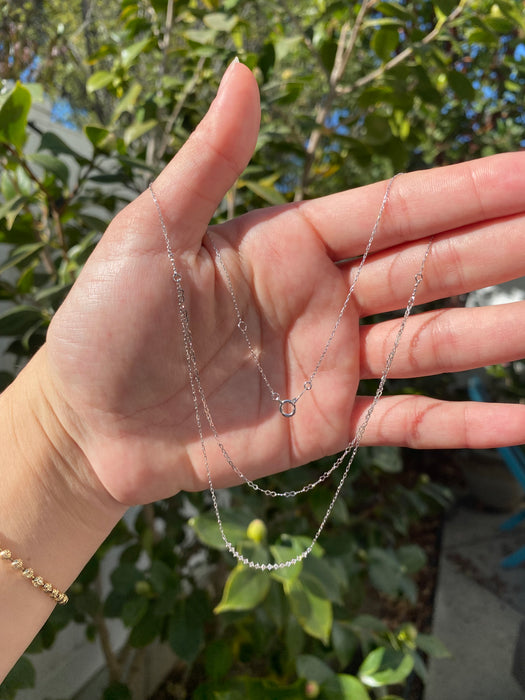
x=54 y=512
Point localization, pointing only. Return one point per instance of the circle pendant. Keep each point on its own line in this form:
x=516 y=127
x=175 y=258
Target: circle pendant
x=287 y=408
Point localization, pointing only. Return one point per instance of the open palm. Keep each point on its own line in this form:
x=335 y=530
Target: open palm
x=117 y=356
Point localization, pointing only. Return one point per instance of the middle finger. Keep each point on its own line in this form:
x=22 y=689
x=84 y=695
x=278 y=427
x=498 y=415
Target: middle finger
x=459 y=262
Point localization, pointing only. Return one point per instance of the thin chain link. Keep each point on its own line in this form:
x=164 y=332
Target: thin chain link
x=243 y=326
x=197 y=391
x=307 y=386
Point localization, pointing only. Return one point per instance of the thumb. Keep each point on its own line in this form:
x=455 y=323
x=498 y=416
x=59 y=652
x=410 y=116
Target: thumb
x=192 y=185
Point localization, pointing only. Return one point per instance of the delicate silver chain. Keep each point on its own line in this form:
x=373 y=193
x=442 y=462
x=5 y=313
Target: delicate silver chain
x=196 y=386
x=287 y=407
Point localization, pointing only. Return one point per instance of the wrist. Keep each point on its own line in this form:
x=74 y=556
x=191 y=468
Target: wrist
x=54 y=513
x=49 y=483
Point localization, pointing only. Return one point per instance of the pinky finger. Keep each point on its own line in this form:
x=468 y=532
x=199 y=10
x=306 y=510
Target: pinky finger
x=420 y=422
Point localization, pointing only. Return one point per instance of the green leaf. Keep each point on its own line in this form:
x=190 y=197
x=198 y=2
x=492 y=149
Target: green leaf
x=10 y=210
x=461 y=85
x=186 y=630
x=500 y=25
x=478 y=35
x=220 y=21
x=235 y=525
x=148 y=629
x=377 y=129
x=327 y=51
x=319 y=576
x=53 y=143
x=388 y=459
x=286 y=45
x=130 y=53
x=128 y=102
x=52 y=164
x=282 y=553
x=97 y=135
x=266 y=60
x=17 y=320
x=201 y=36
x=344 y=642
x=290 y=92
x=134 y=610
x=294 y=637
x=26 y=185
x=218 y=659
x=313 y=669
x=395 y=9
x=446 y=6
x=368 y=624
x=412 y=558
x=117 y=691
x=13 y=117
x=114 y=604
x=21 y=254
x=22 y=675
x=7 y=187
x=245 y=588
x=266 y=192
x=99 y=80
x=432 y=646
x=344 y=687
x=384 y=570
x=52 y=295
x=384 y=42
x=138 y=129
x=26 y=279
x=87 y=601
x=124 y=578
x=162 y=576
x=385 y=666
x=314 y=614
x=166 y=602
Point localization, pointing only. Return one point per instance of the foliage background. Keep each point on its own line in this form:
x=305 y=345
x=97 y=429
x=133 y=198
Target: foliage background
x=351 y=93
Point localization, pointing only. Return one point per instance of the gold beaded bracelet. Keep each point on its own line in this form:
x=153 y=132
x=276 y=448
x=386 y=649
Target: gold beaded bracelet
x=37 y=581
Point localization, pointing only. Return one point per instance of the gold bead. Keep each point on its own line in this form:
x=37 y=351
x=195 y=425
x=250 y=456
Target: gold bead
x=37 y=581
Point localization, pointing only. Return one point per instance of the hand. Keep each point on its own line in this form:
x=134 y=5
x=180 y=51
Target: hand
x=115 y=352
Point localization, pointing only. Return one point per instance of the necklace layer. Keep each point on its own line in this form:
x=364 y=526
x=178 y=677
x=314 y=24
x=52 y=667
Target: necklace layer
x=287 y=407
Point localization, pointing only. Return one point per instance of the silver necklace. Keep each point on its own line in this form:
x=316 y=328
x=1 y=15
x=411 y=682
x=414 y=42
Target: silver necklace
x=288 y=407
x=285 y=405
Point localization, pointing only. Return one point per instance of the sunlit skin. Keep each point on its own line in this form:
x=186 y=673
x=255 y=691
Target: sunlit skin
x=103 y=416
x=133 y=414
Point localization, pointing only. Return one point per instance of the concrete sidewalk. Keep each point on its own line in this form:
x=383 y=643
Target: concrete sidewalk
x=478 y=609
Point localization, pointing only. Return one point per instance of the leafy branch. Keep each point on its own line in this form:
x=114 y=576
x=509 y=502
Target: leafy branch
x=345 y=47
x=406 y=53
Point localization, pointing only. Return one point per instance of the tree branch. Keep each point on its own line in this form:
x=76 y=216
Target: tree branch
x=345 y=48
x=114 y=667
x=166 y=133
x=400 y=57
x=309 y=45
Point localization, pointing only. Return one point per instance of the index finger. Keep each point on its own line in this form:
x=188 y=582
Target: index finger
x=420 y=204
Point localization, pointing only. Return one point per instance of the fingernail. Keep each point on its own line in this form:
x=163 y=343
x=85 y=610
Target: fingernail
x=227 y=75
